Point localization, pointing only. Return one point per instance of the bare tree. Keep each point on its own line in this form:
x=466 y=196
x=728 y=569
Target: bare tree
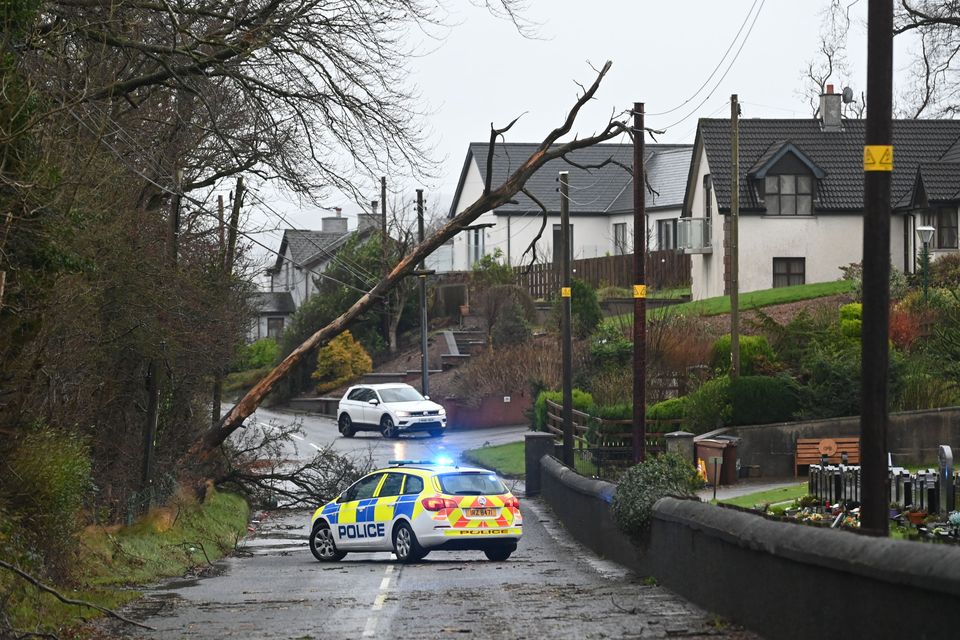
x=934 y=90
x=490 y=199
x=831 y=64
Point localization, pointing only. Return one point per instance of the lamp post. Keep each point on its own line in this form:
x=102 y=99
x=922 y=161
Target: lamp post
x=925 y=233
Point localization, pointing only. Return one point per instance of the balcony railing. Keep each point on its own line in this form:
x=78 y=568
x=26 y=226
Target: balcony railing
x=693 y=235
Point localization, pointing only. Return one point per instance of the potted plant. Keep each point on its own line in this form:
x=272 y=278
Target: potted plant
x=916 y=516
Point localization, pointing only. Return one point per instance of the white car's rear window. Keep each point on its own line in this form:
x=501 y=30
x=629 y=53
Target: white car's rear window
x=471 y=484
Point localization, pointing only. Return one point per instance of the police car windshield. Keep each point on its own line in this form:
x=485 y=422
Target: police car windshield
x=471 y=484
x=400 y=394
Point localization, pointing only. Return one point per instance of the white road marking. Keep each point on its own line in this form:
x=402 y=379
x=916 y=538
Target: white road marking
x=296 y=436
x=314 y=446
x=370 y=629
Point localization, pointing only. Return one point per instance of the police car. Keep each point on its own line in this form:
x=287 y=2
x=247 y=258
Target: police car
x=414 y=507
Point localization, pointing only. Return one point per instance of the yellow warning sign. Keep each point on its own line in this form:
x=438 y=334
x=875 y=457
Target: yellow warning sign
x=639 y=291
x=878 y=157
x=564 y=292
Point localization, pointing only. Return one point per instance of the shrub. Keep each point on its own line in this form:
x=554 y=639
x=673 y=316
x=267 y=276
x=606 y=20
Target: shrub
x=585 y=310
x=609 y=291
x=670 y=409
x=609 y=347
x=904 y=329
x=763 y=399
x=647 y=482
x=511 y=327
x=755 y=352
x=488 y=271
x=262 y=353
x=945 y=271
x=854 y=273
x=582 y=401
x=49 y=476
x=343 y=359
x=708 y=407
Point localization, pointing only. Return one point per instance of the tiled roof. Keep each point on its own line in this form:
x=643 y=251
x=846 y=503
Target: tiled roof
x=273 y=302
x=839 y=154
x=305 y=244
x=592 y=191
x=941 y=181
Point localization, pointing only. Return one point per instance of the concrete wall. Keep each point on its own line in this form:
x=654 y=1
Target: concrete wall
x=912 y=438
x=779 y=579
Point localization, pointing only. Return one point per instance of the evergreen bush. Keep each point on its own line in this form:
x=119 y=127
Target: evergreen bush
x=669 y=409
x=609 y=347
x=584 y=309
x=647 y=482
x=582 y=401
x=708 y=407
x=262 y=353
x=763 y=399
x=755 y=352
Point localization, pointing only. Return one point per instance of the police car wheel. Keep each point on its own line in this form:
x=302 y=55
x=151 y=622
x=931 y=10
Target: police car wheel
x=346 y=426
x=387 y=428
x=499 y=553
x=405 y=544
x=322 y=545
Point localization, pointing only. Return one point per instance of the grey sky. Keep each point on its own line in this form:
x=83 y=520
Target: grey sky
x=483 y=71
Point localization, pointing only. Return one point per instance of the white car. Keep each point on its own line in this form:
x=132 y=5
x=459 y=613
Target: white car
x=391 y=409
x=414 y=507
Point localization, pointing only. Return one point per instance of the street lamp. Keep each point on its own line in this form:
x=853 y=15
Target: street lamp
x=925 y=233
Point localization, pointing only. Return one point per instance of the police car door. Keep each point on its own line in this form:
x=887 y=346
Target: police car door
x=355 y=518
x=383 y=512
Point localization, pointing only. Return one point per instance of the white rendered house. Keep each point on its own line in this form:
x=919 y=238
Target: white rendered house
x=801 y=198
x=601 y=203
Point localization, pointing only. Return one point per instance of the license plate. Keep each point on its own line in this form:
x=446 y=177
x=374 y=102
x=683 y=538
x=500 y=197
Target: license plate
x=481 y=513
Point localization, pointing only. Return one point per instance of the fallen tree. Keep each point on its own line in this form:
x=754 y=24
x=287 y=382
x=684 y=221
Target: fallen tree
x=489 y=200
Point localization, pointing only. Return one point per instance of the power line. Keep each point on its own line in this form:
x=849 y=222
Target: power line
x=727 y=71
x=715 y=69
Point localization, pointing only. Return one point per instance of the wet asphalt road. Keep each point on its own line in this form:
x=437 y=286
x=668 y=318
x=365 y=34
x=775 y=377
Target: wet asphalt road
x=550 y=588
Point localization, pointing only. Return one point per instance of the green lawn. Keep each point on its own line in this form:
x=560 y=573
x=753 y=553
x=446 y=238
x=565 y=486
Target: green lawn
x=508 y=460
x=756 y=299
x=772 y=496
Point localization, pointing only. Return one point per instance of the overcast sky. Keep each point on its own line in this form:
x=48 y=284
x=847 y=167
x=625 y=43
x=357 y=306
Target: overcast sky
x=483 y=71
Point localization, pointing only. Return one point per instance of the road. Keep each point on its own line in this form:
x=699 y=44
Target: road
x=319 y=431
x=550 y=588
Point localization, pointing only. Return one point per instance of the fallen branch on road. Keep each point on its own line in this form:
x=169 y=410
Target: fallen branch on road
x=62 y=598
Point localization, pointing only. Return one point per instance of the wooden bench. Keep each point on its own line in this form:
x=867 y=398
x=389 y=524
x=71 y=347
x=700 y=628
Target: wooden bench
x=811 y=450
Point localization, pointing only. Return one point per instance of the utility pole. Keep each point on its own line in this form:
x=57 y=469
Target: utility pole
x=383 y=255
x=639 y=290
x=424 y=359
x=735 y=239
x=565 y=319
x=153 y=369
x=875 y=358
x=229 y=257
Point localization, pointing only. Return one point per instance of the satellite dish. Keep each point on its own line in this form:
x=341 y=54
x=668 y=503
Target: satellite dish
x=847 y=95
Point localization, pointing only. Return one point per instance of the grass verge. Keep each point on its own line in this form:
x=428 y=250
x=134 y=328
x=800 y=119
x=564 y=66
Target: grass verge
x=168 y=541
x=508 y=460
x=771 y=496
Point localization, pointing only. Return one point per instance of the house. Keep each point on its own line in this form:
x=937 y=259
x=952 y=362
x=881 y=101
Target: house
x=601 y=202
x=801 y=198
x=273 y=309
x=304 y=254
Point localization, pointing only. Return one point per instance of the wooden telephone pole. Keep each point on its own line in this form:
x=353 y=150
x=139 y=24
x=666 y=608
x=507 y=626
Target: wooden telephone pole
x=735 y=238
x=565 y=319
x=639 y=290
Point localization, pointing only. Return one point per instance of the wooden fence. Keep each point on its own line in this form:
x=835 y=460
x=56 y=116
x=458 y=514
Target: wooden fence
x=664 y=270
x=611 y=442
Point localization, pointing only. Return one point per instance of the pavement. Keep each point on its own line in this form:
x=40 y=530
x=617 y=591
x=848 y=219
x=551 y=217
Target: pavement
x=746 y=486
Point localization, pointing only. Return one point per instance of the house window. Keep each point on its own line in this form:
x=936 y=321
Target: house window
x=558 y=242
x=946 y=229
x=474 y=246
x=275 y=328
x=667 y=234
x=789 y=195
x=619 y=238
x=707 y=195
x=789 y=271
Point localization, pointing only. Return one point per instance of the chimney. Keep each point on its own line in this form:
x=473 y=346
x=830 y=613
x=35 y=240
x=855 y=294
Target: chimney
x=368 y=221
x=830 y=109
x=334 y=224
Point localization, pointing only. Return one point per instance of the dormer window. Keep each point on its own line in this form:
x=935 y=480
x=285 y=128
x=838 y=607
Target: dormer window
x=788 y=195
